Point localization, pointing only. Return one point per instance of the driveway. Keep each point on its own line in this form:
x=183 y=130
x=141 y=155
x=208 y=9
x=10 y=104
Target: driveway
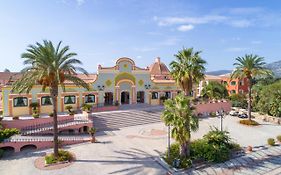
x=132 y=150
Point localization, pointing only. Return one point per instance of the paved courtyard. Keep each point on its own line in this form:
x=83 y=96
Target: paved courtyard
x=134 y=150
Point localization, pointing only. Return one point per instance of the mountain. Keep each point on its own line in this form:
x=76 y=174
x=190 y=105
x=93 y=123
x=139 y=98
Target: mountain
x=219 y=72
x=275 y=67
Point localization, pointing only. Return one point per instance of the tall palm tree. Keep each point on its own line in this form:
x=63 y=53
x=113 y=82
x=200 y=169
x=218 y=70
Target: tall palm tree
x=187 y=69
x=180 y=116
x=249 y=67
x=50 y=67
x=214 y=90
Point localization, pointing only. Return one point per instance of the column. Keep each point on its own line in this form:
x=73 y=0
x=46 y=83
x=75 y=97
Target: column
x=117 y=93
x=133 y=94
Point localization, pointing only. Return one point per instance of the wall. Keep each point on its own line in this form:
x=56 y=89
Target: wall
x=213 y=107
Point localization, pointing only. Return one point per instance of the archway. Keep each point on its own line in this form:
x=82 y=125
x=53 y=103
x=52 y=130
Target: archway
x=29 y=147
x=125 y=97
x=8 y=150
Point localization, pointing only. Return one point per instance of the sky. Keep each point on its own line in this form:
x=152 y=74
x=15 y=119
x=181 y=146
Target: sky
x=101 y=31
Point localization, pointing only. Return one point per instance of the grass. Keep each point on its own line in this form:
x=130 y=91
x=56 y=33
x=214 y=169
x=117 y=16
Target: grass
x=63 y=156
x=249 y=122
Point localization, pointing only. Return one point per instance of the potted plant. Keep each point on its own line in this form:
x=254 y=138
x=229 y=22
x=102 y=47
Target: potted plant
x=92 y=132
x=86 y=107
x=15 y=117
x=69 y=108
x=162 y=99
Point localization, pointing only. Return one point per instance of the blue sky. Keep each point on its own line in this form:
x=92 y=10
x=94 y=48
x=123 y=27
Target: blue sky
x=101 y=31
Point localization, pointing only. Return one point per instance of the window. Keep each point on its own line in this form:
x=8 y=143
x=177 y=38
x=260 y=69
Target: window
x=71 y=99
x=241 y=83
x=90 y=98
x=233 y=92
x=168 y=95
x=154 y=95
x=241 y=91
x=46 y=100
x=233 y=83
x=20 y=101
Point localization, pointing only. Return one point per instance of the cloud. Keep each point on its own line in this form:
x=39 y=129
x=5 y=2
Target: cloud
x=245 y=10
x=236 y=49
x=188 y=20
x=256 y=42
x=80 y=2
x=243 y=23
x=169 y=42
x=145 y=49
x=184 y=28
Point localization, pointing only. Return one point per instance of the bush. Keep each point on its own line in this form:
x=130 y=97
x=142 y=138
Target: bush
x=1 y=153
x=175 y=154
x=63 y=156
x=86 y=107
x=271 y=141
x=278 y=138
x=35 y=115
x=213 y=114
x=51 y=114
x=249 y=122
x=6 y=133
x=34 y=105
x=217 y=137
x=214 y=147
x=15 y=117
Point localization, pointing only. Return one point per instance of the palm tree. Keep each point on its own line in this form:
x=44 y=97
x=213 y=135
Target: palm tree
x=92 y=132
x=180 y=116
x=249 y=67
x=188 y=69
x=50 y=67
x=214 y=90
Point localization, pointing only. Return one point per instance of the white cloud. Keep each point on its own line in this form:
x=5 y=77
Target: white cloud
x=169 y=42
x=243 y=23
x=184 y=28
x=245 y=10
x=80 y=2
x=191 y=20
x=256 y=42
x=145 y=49
x=236 y=49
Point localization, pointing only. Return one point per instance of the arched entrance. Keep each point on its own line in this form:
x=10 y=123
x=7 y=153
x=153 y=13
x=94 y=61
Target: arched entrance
x=125 y=97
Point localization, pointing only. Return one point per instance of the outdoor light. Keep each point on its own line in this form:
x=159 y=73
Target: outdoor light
x=101 y=87
x=221 y=114
x=147 y=86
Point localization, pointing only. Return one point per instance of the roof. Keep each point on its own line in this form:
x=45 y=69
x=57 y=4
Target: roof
x=158 y=68
x=212 y=77
x=13 y=76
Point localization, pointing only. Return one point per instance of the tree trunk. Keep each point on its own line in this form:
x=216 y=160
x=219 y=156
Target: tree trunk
x=250 y=99
x=54 y=94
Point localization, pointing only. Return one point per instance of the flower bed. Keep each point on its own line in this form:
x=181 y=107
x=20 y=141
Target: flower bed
x=64 y=156
x=249 y=122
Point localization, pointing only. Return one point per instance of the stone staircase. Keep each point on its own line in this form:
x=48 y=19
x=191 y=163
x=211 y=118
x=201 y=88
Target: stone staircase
x=40 y=130
x=120 y=119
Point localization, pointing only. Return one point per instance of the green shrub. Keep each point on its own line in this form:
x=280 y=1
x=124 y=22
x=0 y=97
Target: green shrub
x=175 y=154
x=8 y=132
x=217 y=137
x=86 y=107
x=51 y=114
x=35 y=115
x=213 y=114
x=214 y=147
x=249 y=122
x=15 y=117
x=63 y=156
x=34 y=105
x=278 y=138
x=1 y=153
x=271 y=141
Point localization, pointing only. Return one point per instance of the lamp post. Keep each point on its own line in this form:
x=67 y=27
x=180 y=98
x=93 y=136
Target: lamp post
x=221 y=114
x=169 y=141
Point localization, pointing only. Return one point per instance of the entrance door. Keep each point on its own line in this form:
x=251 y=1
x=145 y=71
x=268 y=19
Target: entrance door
x=125 y=97
x=140 y=97
x=108 y=98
